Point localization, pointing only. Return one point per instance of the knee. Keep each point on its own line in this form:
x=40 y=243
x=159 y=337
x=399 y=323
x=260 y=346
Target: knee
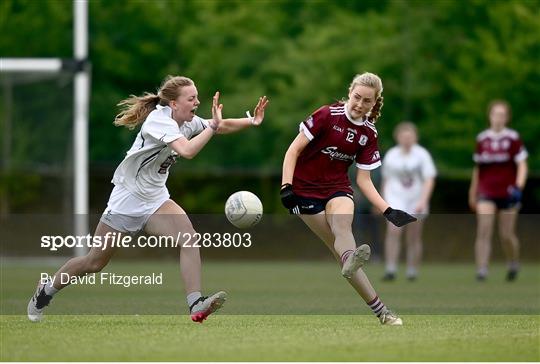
x=483 y=232
x=507 y=236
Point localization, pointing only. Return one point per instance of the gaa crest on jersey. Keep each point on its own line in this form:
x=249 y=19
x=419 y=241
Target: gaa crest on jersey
x=363 y=139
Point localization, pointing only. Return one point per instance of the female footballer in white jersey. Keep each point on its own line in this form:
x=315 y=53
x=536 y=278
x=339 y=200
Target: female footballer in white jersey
x=316 y=186
x=408 y=175
x=140 y=200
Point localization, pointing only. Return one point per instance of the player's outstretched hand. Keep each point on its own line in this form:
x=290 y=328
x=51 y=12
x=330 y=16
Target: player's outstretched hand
x=398 y=217
x=258 y=113
x=216 y=112
x=288 y=198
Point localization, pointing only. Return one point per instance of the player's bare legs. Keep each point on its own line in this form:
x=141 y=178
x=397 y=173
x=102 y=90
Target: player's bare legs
x=413 y=236
x=93 y=262
x=169 y=220
x=343 y=241
x=392 y=247
x=339 y=214
x=485 y=216
x=320 y=225
x=509 y=240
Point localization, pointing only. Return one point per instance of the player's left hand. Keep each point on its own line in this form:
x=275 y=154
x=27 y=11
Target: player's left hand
x=398 y=217
x=288 y=198
x=514 y=194
x=258 y=112
x=217 y=117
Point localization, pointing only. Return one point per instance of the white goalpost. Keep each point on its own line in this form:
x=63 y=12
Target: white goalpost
x=80 y=66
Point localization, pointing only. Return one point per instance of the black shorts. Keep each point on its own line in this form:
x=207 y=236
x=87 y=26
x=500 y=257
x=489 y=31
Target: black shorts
x=502 y=203
x=312 y=206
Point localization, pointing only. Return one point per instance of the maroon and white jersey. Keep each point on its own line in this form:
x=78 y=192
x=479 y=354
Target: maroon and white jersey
x=336 y=141
x=497 y=155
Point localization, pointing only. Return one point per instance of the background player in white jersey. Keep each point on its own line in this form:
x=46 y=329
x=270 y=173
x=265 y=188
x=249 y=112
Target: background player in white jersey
x=315 y=184
x=140 y=200
x=497 y=183
x=408 y=175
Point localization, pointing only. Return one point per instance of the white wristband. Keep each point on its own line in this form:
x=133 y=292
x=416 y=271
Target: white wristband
x=251 y=118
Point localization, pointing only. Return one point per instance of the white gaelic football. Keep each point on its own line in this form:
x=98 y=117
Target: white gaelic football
x=243 y=209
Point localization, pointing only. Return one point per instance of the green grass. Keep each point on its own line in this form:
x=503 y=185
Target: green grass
x=270 y=338
x=277 y=311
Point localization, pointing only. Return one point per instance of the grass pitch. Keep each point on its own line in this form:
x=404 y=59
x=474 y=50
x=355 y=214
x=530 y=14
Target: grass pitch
x=277 y=311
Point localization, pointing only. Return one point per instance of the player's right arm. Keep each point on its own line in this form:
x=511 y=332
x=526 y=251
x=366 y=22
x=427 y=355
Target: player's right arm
x=190 y=148
x=473 y=189
x=522 y=171
x=288 y=198
x=291 y=156
x=309 y=129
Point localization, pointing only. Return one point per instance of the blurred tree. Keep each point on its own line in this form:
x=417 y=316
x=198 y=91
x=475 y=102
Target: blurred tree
x=441 y=62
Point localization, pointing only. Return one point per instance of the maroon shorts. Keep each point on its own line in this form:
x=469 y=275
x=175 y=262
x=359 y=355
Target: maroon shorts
x=502 y=203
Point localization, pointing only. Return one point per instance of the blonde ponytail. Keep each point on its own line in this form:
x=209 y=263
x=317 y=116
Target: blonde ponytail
x=135 y=109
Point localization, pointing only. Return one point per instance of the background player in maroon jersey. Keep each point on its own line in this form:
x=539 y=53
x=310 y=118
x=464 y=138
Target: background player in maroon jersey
x=497 y=183
x=315 y=184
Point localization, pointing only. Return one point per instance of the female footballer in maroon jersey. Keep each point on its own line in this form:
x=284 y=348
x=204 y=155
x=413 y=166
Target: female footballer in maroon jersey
x=316 y=186
x=497 y=181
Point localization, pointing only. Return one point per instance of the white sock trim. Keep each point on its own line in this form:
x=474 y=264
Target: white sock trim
x=192 y=297
x=50 y=290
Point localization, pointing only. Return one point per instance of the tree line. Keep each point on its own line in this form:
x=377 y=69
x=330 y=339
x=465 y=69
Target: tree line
x=441 y=63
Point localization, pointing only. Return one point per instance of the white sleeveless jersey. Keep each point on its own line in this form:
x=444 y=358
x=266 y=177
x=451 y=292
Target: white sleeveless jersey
x=145 y=168
x=404 y=175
